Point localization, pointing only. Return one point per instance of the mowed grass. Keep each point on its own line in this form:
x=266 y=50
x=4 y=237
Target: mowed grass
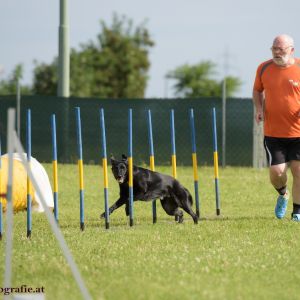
x=246 y=253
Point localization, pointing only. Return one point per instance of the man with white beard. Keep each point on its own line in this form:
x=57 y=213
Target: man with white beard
x=276 y=98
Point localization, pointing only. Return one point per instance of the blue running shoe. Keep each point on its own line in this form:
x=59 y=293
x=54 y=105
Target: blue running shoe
x=296 y=217
x=281 y=205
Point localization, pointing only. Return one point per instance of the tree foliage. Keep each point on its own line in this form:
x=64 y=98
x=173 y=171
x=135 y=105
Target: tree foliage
x=45 y=78
x=115 y=66
x=9 y=86
x=192 y=81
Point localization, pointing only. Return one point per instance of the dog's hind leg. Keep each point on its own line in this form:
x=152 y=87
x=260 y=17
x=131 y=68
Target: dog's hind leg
x=191 y=213
x=185 y=200
x=186 y=206
x=172 y=209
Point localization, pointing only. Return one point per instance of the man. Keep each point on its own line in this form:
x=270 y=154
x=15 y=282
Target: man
x=276 y=97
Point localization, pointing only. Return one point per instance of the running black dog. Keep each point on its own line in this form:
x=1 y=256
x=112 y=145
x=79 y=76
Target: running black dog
x=148 y=186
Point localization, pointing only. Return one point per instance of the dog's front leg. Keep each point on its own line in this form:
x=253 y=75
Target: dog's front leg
x=116 y=205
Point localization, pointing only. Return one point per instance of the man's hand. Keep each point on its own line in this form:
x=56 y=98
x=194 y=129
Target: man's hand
x=259 y=116
x=258 y=105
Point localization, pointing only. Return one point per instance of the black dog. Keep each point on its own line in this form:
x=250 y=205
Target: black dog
x=148 y=186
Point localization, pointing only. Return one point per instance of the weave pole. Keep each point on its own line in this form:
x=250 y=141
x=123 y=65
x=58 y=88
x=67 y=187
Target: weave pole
x=216 y=163
x=173 y=148
x=29 y=187
x=130 y=167
x=9 y=205
x=152 y=165
x=1 y=213
x=104 y=166
x=80 y=167
x=54 y=166
x=194 y=159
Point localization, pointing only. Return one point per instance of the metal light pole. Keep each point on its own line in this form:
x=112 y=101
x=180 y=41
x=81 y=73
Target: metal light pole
x=224 y=123
x=19 y=108
x=63 y=89
x=166 y=87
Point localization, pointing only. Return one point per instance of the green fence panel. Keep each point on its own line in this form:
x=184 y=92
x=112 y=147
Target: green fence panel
x=239 y=120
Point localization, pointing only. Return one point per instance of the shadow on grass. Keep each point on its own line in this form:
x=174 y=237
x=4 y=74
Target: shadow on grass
x=237 y=218
x=122 y=223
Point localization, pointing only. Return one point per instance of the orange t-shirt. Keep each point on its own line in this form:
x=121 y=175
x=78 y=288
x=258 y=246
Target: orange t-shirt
x=281 y=87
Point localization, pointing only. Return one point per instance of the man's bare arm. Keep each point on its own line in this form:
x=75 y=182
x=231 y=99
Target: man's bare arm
x=258 y=99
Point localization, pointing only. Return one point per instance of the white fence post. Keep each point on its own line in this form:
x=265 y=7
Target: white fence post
x=259 y=156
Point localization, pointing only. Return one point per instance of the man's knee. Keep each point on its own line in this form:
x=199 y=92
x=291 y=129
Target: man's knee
x=295 y=169
x=278 y=175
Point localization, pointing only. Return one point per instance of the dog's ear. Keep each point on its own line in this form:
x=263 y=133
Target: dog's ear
x=112 y=159
x=124 y=157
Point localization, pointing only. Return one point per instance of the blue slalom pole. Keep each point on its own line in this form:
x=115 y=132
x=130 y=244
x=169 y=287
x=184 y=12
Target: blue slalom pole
x=173 y=148
x=80 y=167
x=216 y=163
x=151 y=150
x=29 y=187
x=104 y=165
x=54 y=165
x=194 y=159
x=130 y=167
x=1 y=213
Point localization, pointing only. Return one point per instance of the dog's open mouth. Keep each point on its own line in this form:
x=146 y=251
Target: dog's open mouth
x=120 y=180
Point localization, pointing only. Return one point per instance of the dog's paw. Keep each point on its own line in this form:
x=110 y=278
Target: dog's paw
x=102 y=216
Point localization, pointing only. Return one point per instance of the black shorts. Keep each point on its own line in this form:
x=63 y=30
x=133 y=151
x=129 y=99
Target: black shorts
x=281 y=150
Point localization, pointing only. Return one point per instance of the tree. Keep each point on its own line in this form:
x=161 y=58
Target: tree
x=9 y=86
x=197 y=81
x=115 y=66
x=45 y=78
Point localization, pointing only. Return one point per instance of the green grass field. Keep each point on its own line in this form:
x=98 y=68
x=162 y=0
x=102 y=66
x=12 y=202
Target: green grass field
x=246 y=253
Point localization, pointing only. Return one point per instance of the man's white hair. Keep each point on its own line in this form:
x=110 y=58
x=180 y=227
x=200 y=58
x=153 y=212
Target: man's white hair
x=286 y=38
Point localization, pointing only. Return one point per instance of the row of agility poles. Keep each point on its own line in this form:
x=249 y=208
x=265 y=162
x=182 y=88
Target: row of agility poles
x=152 y=167
x=28 y=183
x=130 y=164
x=104 y=165
x=54 y=164
x=194 y=157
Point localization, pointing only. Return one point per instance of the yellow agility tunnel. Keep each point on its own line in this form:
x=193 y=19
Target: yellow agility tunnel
x=19 y=187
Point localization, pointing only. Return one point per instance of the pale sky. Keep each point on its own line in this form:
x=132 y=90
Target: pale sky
x=235 y=33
